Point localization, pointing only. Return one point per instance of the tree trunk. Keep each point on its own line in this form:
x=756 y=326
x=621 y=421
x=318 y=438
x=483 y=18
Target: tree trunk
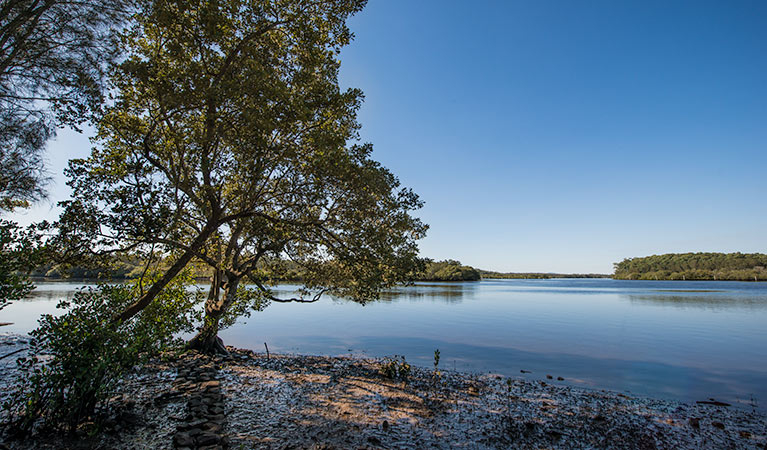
x=207 y=340
x=168 y=276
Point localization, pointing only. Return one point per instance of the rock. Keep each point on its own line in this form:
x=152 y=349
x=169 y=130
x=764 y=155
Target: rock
x=385 y=425
x=218 y=418
x=182 y=439
x=560 y=379
x=712 y=402
x=213 y=427
x=208 y=439
x=549 y=377
x=719 y=425
x=694 y=422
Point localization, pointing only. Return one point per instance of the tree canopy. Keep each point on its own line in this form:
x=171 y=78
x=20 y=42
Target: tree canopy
x=53 y=56
x=231 y=143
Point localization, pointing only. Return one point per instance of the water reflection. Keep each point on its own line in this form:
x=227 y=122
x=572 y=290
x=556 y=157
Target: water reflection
x=435 y=292
x=448 y=292
x=709 y=302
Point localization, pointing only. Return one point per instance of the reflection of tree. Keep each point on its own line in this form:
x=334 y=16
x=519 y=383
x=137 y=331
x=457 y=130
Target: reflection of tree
x=447 y=292
x=435 y=292
x=710 y=302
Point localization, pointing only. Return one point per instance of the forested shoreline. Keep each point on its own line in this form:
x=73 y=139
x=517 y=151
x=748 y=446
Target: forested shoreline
x=694 y=266
x=127 y=268
x=538 y=275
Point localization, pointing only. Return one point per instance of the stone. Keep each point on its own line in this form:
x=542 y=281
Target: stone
x=208 y=439
x=210 y=384
x=212 y=427
x=182 y=439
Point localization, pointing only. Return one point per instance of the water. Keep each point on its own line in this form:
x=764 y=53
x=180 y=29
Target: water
x=668 y=339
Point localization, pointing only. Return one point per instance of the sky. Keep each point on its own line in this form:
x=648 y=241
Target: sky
x=560 y=136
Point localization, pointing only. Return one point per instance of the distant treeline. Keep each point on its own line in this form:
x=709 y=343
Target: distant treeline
x=448 y=270
x=118 y=269
x=538 y=275
x=129 y=268
x=694 y=266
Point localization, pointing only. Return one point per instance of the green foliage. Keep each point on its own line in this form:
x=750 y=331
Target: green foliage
x=230 y=141
x=78 y=358
x=395 y=367
x=436 y=364
x=694 y=266
x=52 y=61
x=448 y=270
x=20 y=251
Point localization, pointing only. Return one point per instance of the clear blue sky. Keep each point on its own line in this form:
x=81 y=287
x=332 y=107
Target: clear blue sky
x=564 y=135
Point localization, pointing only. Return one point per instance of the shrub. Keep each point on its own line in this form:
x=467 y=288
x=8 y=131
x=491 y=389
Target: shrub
x=77 y=358
x=395 y=368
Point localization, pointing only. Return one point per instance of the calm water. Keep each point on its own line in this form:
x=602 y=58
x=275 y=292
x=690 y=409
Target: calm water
x=683 y=340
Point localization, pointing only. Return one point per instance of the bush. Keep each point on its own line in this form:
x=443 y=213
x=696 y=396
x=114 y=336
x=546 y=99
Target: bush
x=77 y=358
x=395 y=368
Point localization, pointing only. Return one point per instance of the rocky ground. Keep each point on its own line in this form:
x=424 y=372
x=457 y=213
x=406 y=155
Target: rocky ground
x=249 y=400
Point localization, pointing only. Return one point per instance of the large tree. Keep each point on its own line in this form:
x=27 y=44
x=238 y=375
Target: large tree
x=230 y=142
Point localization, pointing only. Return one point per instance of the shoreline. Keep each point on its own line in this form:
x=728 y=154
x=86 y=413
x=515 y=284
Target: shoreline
x=279 y=401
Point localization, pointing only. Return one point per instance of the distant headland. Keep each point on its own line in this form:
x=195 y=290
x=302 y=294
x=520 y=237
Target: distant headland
x=694 y=266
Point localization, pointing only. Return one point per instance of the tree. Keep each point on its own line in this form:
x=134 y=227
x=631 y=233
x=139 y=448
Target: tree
x=53 y=55
x=229 y=143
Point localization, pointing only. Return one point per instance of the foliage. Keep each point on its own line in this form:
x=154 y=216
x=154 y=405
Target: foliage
x=53 y=55
x=694 y=266
x=395 y=367
x=448 y=270
x=437 y=373
x=78 y=358
x=20 y=251
x=230 y=142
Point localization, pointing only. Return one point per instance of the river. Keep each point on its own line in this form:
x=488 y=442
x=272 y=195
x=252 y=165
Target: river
x=668 y=339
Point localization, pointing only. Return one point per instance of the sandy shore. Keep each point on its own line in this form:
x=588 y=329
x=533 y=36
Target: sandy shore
x=313 y=402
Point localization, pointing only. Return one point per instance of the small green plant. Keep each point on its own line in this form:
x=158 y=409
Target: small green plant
x=395 y=367
x=437 y=373
x=76 y=359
